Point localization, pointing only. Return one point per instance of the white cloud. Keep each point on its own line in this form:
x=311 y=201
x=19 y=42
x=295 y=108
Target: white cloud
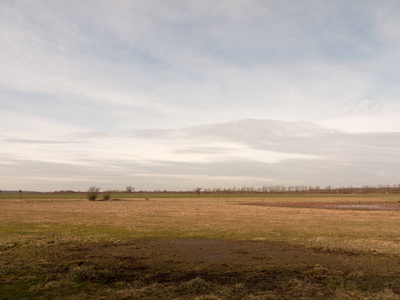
x=386 y=122
x=260 y=59
x=14 y=124
x=259 y=151
x=70 y=68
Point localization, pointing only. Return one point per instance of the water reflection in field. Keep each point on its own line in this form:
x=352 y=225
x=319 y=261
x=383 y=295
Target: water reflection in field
x=361 y=206
x=350 y=206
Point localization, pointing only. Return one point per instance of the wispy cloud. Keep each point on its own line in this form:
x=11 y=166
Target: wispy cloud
x=194 y=60
x=128 y=85
x=260 y=151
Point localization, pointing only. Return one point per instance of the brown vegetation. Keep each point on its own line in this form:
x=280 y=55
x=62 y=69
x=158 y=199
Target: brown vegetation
x=200 y=248
x=93 y=193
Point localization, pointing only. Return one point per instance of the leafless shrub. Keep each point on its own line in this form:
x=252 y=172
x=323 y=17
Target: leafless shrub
x=197 y=190
x=107 y=195
x=92 y=193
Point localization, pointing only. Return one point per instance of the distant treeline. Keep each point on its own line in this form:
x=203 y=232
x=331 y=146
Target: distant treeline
x=302 y=190
x=277 y=189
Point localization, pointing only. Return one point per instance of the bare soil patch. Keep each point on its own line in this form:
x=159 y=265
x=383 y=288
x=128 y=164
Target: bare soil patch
x=247 y=257
x=187 y=268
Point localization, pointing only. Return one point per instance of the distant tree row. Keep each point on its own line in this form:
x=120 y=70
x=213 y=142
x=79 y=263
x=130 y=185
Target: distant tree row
x=274 y=189
x=128 y=189
x=303 y=189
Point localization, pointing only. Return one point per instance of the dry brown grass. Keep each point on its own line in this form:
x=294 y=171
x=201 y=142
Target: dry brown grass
x=197 y=248
x=213 y=218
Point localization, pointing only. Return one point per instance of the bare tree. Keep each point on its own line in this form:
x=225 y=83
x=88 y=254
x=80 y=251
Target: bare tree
x=197 y=191
x=92 y=193
x=129 y=189
x=107 y=195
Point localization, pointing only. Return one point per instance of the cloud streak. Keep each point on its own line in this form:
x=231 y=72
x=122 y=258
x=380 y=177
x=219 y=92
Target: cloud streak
x=129 y=85
x=198 y=58
x=247 y=152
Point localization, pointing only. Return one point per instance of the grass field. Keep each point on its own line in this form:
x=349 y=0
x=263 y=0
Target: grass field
x=202 y=247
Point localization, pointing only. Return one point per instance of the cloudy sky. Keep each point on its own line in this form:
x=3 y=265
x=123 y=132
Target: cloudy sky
x=182 y=94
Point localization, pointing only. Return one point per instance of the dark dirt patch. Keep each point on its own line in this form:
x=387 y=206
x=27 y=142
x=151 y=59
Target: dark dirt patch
x=179 y=267
x=243 y=259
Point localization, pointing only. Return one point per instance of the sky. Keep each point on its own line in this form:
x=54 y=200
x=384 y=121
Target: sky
x=177 y=95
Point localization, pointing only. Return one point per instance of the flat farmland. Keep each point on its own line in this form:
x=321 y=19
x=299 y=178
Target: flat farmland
x=203 y=247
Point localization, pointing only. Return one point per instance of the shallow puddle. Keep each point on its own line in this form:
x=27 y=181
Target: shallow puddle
x=350 y=206
x=361 y=206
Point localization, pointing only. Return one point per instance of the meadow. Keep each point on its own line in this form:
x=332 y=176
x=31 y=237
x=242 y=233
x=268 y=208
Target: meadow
x=197 y=247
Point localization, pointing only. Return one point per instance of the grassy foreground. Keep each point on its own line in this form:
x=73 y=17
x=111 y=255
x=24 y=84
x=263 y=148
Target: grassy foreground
x=197 y=248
